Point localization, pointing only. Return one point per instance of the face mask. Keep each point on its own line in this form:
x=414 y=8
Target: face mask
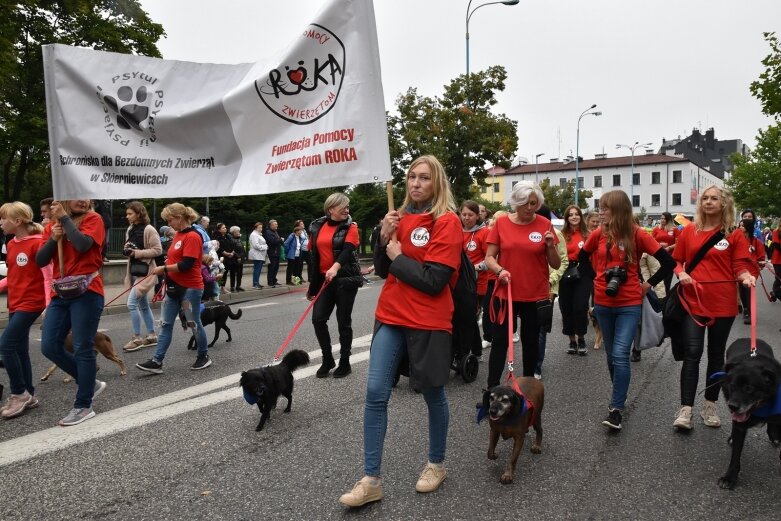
x=748 y=224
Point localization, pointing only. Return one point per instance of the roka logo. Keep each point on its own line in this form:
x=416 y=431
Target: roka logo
x=177 y=245
x=580 y=244
x=130 y=105
x=471 y=246
x=722 y=245
x=305 y=90
x=21 y=260
x=535 y=237
x=419 y=236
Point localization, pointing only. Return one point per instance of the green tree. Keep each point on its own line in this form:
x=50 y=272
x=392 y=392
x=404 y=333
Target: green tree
x=107 y=25
x=458 y=128
x=767 y=89
x=558 y=197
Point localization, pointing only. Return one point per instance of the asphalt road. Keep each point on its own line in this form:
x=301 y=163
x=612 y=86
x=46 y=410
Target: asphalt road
x=182 y=445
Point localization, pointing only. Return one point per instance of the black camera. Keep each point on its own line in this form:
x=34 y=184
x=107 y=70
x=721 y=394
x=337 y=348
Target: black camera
x=614 y=276
x=129 y=246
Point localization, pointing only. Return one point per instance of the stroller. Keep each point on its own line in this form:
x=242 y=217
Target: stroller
x=466 y=335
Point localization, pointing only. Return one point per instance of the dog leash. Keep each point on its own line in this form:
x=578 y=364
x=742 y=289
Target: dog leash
x=753 y=322
x=298 y=324
x=139 y=281
x=495 y=316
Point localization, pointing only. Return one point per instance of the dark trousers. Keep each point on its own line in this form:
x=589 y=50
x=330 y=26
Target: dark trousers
x=573 y=303
x=343 y=299
x=306 y=260
x=745 y=299
x=693 y=346
x=777 y=280
x=235 y=271
x=488 y=327
x=293 y=269
x=668 y=280
x=530 y=336
x=271 y=272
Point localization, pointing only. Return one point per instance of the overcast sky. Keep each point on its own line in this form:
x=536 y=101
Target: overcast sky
x=655 y=68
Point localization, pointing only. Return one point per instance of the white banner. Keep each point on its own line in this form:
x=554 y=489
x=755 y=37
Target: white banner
x=124 y=126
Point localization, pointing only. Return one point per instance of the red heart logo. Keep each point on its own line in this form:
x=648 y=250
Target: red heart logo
x=297 y=76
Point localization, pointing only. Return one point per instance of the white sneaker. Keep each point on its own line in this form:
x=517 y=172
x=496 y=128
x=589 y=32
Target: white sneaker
x=683 y=420
x=538 y=376
x=486 y=344
x=709 y=415
x=516 y=337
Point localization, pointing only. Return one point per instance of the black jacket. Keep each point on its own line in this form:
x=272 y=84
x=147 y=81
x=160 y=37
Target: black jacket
x=349 y=275
x=273 y=240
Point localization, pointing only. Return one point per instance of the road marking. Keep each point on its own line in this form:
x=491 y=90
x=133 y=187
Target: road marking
x=259 y=305
x=141 y=413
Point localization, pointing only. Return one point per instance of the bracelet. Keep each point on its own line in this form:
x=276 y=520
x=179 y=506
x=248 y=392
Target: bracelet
x=165 y=268
x=500 y=271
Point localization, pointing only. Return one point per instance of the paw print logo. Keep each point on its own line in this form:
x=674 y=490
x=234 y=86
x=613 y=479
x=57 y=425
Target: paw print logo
x=129 y=107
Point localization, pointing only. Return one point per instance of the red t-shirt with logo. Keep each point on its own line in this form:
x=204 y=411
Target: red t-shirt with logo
x=722 y=262
x=402 y=305
x=522 y=252
x=574 y=244
x=776 y=257
x=630 y=292
x=757 y=252
x=85 y=263
x=668 y=237
x=475 y=246
x=187 y=244
x=325 y=239
x=25 y=278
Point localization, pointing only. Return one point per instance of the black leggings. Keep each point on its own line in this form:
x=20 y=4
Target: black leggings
x=530 y=337
x=573 y=303
x=343 y=300
x=488 y=327
x=693 y=346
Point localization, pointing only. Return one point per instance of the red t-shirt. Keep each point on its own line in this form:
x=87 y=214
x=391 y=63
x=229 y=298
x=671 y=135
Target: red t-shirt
x=669 y=237
x=522 y=252
x=757 y=252
x=25 y=278
x=574 y=244
x=188 y=244
x=402 y=305
x=630 y=292
x=722 y=262
x=475 y=246
x=325 y=248
x=85 y=263
x=776 y=257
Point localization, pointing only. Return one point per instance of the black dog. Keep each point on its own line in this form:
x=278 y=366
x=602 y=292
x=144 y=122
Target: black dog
x=751 y=388
x=265 y=385
x=214 y=312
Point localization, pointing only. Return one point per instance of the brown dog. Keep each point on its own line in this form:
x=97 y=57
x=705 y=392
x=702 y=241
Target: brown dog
x=508 y=418
x=597 y=329
x=103 y=346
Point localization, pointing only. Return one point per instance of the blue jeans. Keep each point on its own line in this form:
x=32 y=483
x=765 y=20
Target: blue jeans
x=618 y=329
x=257 y=267
x=388 y=347
x=168 y=317
x=15 y=351
x=82 y=316
x=139 y=308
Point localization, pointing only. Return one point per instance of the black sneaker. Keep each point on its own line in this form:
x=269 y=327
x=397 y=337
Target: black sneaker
x=613 y=419
x=572 y=349
x=582 y=347
x=746 y=318
x=202 y=362
x=636 y=356
x=151 y=366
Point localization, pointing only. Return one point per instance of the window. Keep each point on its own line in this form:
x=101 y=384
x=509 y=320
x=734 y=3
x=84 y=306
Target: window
x=677 y=177
x=596 y=204
x=514 y=183
x=656 y=178
x=562 y=182
x=676 y=199
x=616 y=179
x=496 y=187
x=635 y=201
x=580 y=182
x=636 y=178
x=597 y=181
x=655 y=200
x=483 y=189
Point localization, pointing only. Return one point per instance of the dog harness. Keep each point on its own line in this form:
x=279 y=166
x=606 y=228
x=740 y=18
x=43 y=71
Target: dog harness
x=769 y=408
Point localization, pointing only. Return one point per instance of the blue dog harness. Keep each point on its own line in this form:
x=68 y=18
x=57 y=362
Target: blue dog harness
x=770 y=408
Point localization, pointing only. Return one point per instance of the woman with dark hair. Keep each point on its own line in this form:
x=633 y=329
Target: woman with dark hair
x=475 y=246
x=231 y=258
x=334 y=246
x=666 y=234
x=748 y=221
x=142 y=246
x=614 y=251
x=574 y=292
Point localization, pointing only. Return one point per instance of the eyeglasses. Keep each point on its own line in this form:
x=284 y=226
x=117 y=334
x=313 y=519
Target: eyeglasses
x=602 y=209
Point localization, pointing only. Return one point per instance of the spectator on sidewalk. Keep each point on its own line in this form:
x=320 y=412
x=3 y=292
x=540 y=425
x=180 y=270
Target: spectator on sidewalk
x=202 y=231
x=240 y=256
x=293 y=254
x=274 y=242
x=227 y=251
x=257 y=253
x=306 y=258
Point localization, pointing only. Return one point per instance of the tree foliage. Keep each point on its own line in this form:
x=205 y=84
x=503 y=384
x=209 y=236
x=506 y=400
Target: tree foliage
x=767 y=89
x=458 y=128
x=558 y=197
x=107 y=25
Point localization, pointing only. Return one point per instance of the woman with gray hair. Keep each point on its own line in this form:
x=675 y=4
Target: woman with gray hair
x=526 y=245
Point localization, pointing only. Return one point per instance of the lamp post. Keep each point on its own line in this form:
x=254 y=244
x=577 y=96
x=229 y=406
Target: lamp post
x=537 y=167
x=577 y=149
x=469 y=14
x=632 y=148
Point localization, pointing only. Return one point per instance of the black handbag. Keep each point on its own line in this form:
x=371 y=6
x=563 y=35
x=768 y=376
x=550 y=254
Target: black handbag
x=571 y=274
x=174 y=290
x=138 y=268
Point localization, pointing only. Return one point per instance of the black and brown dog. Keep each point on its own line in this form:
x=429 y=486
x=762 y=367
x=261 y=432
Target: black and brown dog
x=214 y=312
x=752 y=390
x=103 y=345
x=509 y=417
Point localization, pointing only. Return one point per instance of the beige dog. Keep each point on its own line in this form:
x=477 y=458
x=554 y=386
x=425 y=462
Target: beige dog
x=103 y=346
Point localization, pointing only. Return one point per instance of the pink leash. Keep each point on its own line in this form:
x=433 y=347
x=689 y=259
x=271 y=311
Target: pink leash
x=139 y=281
x=298 y=324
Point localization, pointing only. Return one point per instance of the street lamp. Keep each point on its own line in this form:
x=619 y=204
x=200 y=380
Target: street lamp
x=577 y=148
x=537 y=167
x=633 y=147
x=469 y=16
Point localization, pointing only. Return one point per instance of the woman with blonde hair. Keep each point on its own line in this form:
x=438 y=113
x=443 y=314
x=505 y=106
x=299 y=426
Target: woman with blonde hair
x=613 y=251
x=711 y=281
x=418 y=253
x=184 y=287
x=26 y=300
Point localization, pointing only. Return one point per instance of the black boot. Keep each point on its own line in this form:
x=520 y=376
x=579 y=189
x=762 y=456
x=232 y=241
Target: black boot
x=636 y=355
x=328 y=364
x=344 y=367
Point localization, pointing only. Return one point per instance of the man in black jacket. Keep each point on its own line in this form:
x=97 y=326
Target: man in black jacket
x=274 y=242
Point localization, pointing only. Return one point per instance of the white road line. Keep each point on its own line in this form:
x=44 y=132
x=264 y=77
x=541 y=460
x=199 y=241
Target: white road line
x=259 y=305
x=141 y=413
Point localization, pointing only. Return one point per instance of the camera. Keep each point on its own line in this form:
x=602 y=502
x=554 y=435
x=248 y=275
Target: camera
x=614 y=276
x=129 y=246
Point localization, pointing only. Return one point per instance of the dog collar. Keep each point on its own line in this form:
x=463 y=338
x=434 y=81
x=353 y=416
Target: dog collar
x=770 y=408
x=250 y=398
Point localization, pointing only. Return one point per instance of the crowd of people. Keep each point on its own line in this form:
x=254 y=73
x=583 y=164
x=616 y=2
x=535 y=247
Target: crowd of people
x=602 y=262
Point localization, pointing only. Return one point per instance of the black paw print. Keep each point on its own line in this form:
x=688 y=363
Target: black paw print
x=129 y=115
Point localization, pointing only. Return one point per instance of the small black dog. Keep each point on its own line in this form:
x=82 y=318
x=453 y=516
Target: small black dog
x=265 y=385
x=214 y=312
x=751 y=388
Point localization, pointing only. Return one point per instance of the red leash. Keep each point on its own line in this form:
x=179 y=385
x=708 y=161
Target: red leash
x=298 y=324
x=501 y=290
x=753 y=321
x=139 y=281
